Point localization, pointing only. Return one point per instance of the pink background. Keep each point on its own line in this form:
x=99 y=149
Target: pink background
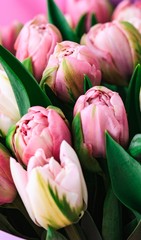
x=23 y=10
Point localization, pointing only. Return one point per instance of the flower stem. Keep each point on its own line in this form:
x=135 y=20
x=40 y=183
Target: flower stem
x=74 y=232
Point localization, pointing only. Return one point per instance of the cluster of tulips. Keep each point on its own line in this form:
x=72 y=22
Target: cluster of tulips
x=70 y=132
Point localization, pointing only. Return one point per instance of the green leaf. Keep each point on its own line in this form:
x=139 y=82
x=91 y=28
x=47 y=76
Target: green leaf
x=136 y=234
x=132 y=102
x=56 y=17
x=93 y=19
x=135 y=147
x=80 y=28
x=52 y=234
x=86 y=159
x=25 y=87
x=28 y=65
x=6 y=226
x=125 y=175
x=112 y=220
x=67 y=108
x=87 y=83
x=52 y=96
x=89 y=227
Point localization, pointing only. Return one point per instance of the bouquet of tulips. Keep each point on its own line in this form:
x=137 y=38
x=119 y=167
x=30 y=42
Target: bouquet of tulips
x=70 y=124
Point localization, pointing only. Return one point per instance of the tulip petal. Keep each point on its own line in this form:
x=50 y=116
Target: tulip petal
x=41 y=194
x=67 y=151
x=55 y=202
x=20 y=179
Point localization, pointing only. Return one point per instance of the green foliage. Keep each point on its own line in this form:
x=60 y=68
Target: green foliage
x=56 y=17
x=125 y=175
x=25 y=87
x=132 y=103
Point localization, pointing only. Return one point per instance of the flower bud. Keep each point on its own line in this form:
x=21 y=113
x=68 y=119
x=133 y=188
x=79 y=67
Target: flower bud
x=117 y=45
x=9 y=112
x=37 y=40
x=9 y=35
x=42 y=128
x=66 y=69
x=99 y=110
x=76 y=9
x=7 y=187
x=129 y=11
x=50 y=194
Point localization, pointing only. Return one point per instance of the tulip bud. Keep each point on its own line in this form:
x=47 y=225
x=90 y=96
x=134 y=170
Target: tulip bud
x=50 y=194
x=7 y=187
x=129 y=11
x=99 y=110
x=126 y=10
x=66 y=69
x=9 y=35
x=76 y=9
x=37 y=40
x=9 y=112
x=117 y=46
x=42 y=128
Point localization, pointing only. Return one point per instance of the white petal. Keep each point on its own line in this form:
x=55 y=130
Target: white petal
x=66 y=151
x=20 y=179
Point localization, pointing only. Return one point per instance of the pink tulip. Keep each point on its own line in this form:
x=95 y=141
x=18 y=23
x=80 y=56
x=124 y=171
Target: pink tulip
x=76 y=8
x=37 y=40
x=40 y=128
x=66 y=69
x=9 y=34
x=129 y=11
x=50 y=194
x=7 y=187
x=126 y=10
x=117 y=45
x=100 y=109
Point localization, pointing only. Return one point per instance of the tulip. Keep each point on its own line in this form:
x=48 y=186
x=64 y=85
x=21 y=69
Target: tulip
x=50 y=194
x=37 y=40
x=7 y=187
x=77 y=8
x=66 y=69
x=117 y=46
x=40 y=128
x=9 y=112
x=9 y=34
x=129 y=11
x=99 y=110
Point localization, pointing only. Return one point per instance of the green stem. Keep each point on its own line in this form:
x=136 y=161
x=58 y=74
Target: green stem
x=74 y=232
